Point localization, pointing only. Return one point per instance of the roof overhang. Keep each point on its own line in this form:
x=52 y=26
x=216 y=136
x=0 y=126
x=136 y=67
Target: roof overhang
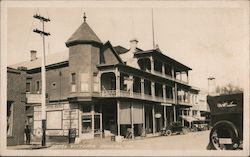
x=160 y=56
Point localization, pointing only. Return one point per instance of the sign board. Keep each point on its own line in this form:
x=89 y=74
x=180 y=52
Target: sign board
x=157 y=115
x=166 y=104
x=54 y=132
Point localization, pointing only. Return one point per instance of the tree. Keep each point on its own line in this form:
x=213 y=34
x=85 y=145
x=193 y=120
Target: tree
x=228 y=89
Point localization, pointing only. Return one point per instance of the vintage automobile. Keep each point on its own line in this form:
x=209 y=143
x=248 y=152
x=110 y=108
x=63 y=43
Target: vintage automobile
x=200 y=125
x=227 y=121
x=174 y=128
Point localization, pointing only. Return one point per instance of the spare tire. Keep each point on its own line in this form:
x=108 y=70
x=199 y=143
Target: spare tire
x=224 y=135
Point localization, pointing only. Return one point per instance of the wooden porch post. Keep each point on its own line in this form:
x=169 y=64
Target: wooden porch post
x=153 y=115
x=172 y=71
x=153 y=90
x=142 y=88
x=152 y=65
x=174 y=113
x=118 y=118
x=131 y=78
x=163 y=69
x=132 y=120
x=182 y=113
x=117 y=75
x=93 y=118
x=164 y=92
x=143 y=116
x=101 y=119
x=165 y=116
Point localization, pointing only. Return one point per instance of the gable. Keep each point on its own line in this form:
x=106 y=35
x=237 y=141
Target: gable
x=108 y=57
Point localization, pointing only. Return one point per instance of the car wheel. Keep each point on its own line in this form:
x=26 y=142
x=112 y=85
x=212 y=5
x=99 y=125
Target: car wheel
x=195 y=129
x=224 y=136
x=185 y=131
x=168 y=132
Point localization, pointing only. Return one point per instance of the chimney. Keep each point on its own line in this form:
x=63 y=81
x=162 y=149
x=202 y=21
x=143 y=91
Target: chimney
x=133 y=44
x=33 y=55
x=211 y=86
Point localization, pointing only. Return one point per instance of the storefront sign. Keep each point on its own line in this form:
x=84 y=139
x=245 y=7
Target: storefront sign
x=54 y=107
x=157 y=115
x=54 y=132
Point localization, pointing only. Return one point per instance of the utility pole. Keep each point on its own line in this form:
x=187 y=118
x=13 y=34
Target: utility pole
x=42 y=33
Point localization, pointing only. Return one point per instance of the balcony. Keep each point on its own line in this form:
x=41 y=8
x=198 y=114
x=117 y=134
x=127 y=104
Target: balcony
x=127 y=94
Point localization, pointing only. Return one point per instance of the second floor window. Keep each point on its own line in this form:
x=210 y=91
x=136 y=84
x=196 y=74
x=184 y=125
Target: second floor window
x=28 y=87
x=73 y=78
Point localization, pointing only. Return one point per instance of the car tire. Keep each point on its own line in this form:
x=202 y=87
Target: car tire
x=185 y=131
x=168 y=132
x=217 y=131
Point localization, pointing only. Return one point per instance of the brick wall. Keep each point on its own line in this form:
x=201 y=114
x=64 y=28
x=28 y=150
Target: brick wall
x=15 y=93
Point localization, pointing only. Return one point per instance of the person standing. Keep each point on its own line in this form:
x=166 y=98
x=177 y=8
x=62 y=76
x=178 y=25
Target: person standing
x=27 y=132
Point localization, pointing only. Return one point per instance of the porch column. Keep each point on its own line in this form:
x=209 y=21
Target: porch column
x=118 y=118
x=173 y=93
x=131 y=93
x=174 y=113
x=100 y=82
x=172 y=71
x=153 y=90
x=117 y=75
x=152 y=65
x=182 y=113
x=132 y=120
x=142 y=88
x=187 y=77
x=163 y=69
x=101 y=119
x=153 y=115
x=164 y=92
x=165 y=116
x=93 y=117
x=143 y=117
x=176 y=94
x=181 y=76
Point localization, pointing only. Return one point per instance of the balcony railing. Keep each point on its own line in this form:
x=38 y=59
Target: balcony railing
x=182 y=102
x=169 y=77
x=122 y=93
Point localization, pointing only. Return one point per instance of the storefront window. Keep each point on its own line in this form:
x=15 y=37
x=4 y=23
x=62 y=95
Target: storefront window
x=86 y=123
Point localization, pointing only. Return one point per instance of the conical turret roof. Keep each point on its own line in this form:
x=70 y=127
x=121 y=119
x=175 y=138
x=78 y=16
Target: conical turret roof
x=84 y=34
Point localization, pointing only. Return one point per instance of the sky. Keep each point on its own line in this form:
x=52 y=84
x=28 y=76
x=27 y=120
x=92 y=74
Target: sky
x=213 y=41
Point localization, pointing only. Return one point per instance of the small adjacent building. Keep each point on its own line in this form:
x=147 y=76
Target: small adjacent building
x=102 y=90
x=16 y=81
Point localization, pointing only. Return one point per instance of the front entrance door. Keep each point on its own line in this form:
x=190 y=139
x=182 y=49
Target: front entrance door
x=91 y=125
x=98 y=125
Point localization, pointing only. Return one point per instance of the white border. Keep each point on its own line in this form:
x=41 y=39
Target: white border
x=143 y=4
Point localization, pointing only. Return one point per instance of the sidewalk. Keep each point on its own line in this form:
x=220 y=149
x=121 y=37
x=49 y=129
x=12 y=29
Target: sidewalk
x=30 y=146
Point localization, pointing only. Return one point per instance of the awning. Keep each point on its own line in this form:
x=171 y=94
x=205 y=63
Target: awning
x=189 y=118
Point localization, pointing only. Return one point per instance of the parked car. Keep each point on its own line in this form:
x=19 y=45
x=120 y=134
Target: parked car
x=174 y=128
x=200 y=126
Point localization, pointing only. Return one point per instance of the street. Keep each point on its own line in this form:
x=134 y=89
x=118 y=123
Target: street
x=190 y=141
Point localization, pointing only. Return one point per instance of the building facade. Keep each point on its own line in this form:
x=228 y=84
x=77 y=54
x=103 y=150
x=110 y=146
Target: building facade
x=101 y=90
x=16 y=80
